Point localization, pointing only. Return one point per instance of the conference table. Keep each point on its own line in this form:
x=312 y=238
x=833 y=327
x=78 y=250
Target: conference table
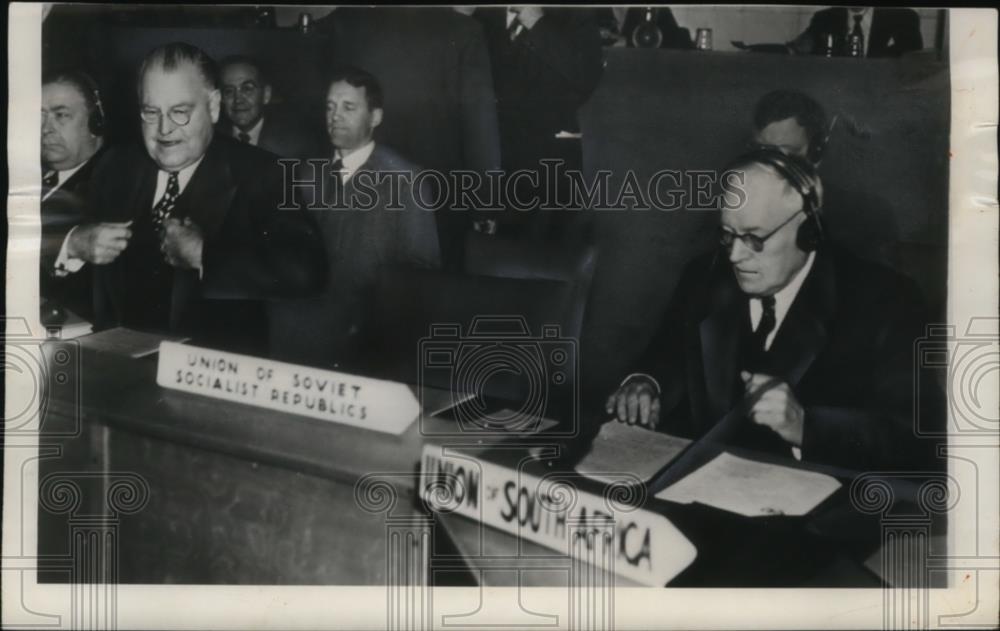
x=197 y=490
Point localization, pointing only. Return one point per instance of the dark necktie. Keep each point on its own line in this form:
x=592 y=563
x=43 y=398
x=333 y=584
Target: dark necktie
x=50 y=179
x=337 y=171
x=163 y=208
x=243 y=136
x=514 y=29
x=766 y=324
x=334 y=195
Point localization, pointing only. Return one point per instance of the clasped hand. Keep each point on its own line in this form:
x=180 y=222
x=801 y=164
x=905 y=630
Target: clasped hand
x=181 y=243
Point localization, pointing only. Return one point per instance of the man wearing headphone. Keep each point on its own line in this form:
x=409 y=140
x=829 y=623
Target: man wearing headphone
x=808 y=348
x=72 y=135
x=792 y=122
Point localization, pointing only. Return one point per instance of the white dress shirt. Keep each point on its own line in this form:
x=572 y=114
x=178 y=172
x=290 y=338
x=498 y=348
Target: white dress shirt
x=353 y=161
x=782 y=301
x=66 y=264
x=63 y=177
x=254 y=132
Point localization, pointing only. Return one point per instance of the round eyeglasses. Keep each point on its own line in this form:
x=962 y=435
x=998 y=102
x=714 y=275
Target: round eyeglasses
x=752 y=241
x=179 y=117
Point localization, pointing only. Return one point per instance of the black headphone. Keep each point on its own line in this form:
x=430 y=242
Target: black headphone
x=96 y=120
x=802 y=176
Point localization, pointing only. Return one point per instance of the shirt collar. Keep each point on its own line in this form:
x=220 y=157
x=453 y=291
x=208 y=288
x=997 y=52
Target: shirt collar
x=254 y=132
x=183 y=177
x=353 y=161
x=786 y=295
x=63 y=177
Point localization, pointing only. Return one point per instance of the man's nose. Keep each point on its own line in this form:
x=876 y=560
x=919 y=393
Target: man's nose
x=738 y=251
x=165 y=126
x=47 y=126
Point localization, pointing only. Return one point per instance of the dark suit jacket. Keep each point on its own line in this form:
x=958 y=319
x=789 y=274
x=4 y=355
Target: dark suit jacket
x=893 y=32
x=284 y=137
x=846 y=348
x=252 y=251
x=329 y=329
x=541 y=78
x=60 y=212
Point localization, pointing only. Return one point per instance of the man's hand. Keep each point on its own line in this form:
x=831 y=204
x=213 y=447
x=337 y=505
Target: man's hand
x=528 y=15
x=98 y=243
x=182 y=243
x=777 y=408
x=635 y=402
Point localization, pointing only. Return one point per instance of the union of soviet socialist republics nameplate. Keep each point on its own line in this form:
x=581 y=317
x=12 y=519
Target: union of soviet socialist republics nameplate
x=382 y=406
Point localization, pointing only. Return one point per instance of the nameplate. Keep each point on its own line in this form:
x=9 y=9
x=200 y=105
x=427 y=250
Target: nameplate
x=382 y=406
x=551 y=511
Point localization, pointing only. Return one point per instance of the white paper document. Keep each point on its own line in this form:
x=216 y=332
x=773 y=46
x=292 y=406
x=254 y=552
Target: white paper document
x=621 y=448
x=752 y=488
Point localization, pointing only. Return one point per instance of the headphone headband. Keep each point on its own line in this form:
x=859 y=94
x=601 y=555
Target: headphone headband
x=802 y=176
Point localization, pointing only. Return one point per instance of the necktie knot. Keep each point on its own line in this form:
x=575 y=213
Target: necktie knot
x=50 y=179
x=514 y=29
x=244 y=137
x=337 y=170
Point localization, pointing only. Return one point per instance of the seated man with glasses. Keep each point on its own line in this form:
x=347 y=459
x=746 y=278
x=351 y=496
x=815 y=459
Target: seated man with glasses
x=208 y=241
x=812 y=347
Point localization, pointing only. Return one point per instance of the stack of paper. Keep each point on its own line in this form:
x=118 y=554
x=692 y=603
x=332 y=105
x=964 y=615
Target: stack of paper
x=752 y=488
x=621 y=448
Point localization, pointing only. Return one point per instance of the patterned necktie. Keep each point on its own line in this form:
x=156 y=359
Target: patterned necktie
x=243 y=136
x=857 y=31
x=766 y=324
x=50 y=179
x=163 y=208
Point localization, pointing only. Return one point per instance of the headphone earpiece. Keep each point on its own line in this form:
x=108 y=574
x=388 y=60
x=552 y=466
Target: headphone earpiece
x=96 y=120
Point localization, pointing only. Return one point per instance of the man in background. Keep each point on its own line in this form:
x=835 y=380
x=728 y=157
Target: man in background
x=250 y=118
x=792 y=122
x=546 y=64
x=207 y=242
x=368 y=223
x=884 y=32
x=440 y=108
x=72 y=137
x=795 y=124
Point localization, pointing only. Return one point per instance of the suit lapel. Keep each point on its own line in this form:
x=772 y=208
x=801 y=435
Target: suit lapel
x=720 y=347
x=805 y=331
x=209 y=194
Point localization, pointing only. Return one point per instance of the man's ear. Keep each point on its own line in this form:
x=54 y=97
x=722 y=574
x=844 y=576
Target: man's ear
x=267 y=94
x=214 y=104
x=376 y=117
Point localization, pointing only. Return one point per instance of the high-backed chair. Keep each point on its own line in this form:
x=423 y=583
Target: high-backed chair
x=497 y=337
x=572 y=264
